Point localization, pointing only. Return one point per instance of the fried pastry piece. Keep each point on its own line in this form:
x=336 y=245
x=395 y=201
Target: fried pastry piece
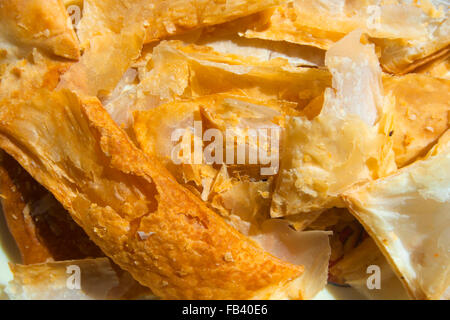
x=98 y=279
x=422 y=114
x=407 y=214
x=264 y=50
x=175 y=70
x=42 y=228
x=178 y=16
x=27 y=24
x=351 y=134
x=356 y=267
x=21 y=77
x=113 y=32
x=407 y=34
x=132 y=208
x=238 y=191
x=439 y=68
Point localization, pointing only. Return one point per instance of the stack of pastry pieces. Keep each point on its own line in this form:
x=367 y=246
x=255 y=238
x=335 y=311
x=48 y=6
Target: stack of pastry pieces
x=350 y=105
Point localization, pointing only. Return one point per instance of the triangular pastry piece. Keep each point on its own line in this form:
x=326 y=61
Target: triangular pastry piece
x=407 y=214
x=132 y=208
x=346 y=143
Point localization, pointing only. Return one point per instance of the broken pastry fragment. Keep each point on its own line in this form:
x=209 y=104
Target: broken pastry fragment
x=406 y=214
x=346 y=143
x=421 y=116
x=42 y=228
x=115 y=193
x=112 y=34
x=176 y=70
x=237 y=190
x=85 y=279
x=25 y=25
x=407 y=34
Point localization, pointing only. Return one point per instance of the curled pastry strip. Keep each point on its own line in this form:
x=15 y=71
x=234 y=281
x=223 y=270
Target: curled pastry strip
x=132 y=208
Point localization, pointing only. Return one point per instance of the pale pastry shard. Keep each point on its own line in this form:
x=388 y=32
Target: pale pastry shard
x=265 y=50
x=358 y=266
x=28 y=24
x=113 y=191
x=422 y=111
x=407 y=214
x=86 y=279
x=346 y=143
x=309 y=248
x=178 y=71
x=407 y=33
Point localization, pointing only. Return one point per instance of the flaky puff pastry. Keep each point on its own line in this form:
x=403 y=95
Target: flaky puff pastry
x=407 y=214
x=439 y=68
x=132 y=208
x=97 y=279
x=113 y=32
x=408 y=34
x=41 y=24
x=351 y=134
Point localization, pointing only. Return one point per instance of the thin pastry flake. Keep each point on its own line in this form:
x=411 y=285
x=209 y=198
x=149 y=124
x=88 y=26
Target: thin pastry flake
x=349 y=135
x=178 y=16
x=407 y=215
x=353 y=268
x=113 y=32
x=407 y=33
x=25 y=25
x=41 y=227
x=98 y=279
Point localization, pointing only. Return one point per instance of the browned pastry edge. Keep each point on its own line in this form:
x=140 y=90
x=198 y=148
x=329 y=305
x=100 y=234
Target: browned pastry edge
x=42 y=24
x=186 y=258
x=42 y=228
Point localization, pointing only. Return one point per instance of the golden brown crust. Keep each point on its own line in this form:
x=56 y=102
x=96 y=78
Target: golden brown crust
x=178 y=16
x=42 y=24
x=113 y=190
x=42 y=228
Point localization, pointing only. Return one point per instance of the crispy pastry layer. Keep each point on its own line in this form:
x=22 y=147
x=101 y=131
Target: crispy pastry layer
x=130 y=205
x=42 y=228
x=40 y=24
